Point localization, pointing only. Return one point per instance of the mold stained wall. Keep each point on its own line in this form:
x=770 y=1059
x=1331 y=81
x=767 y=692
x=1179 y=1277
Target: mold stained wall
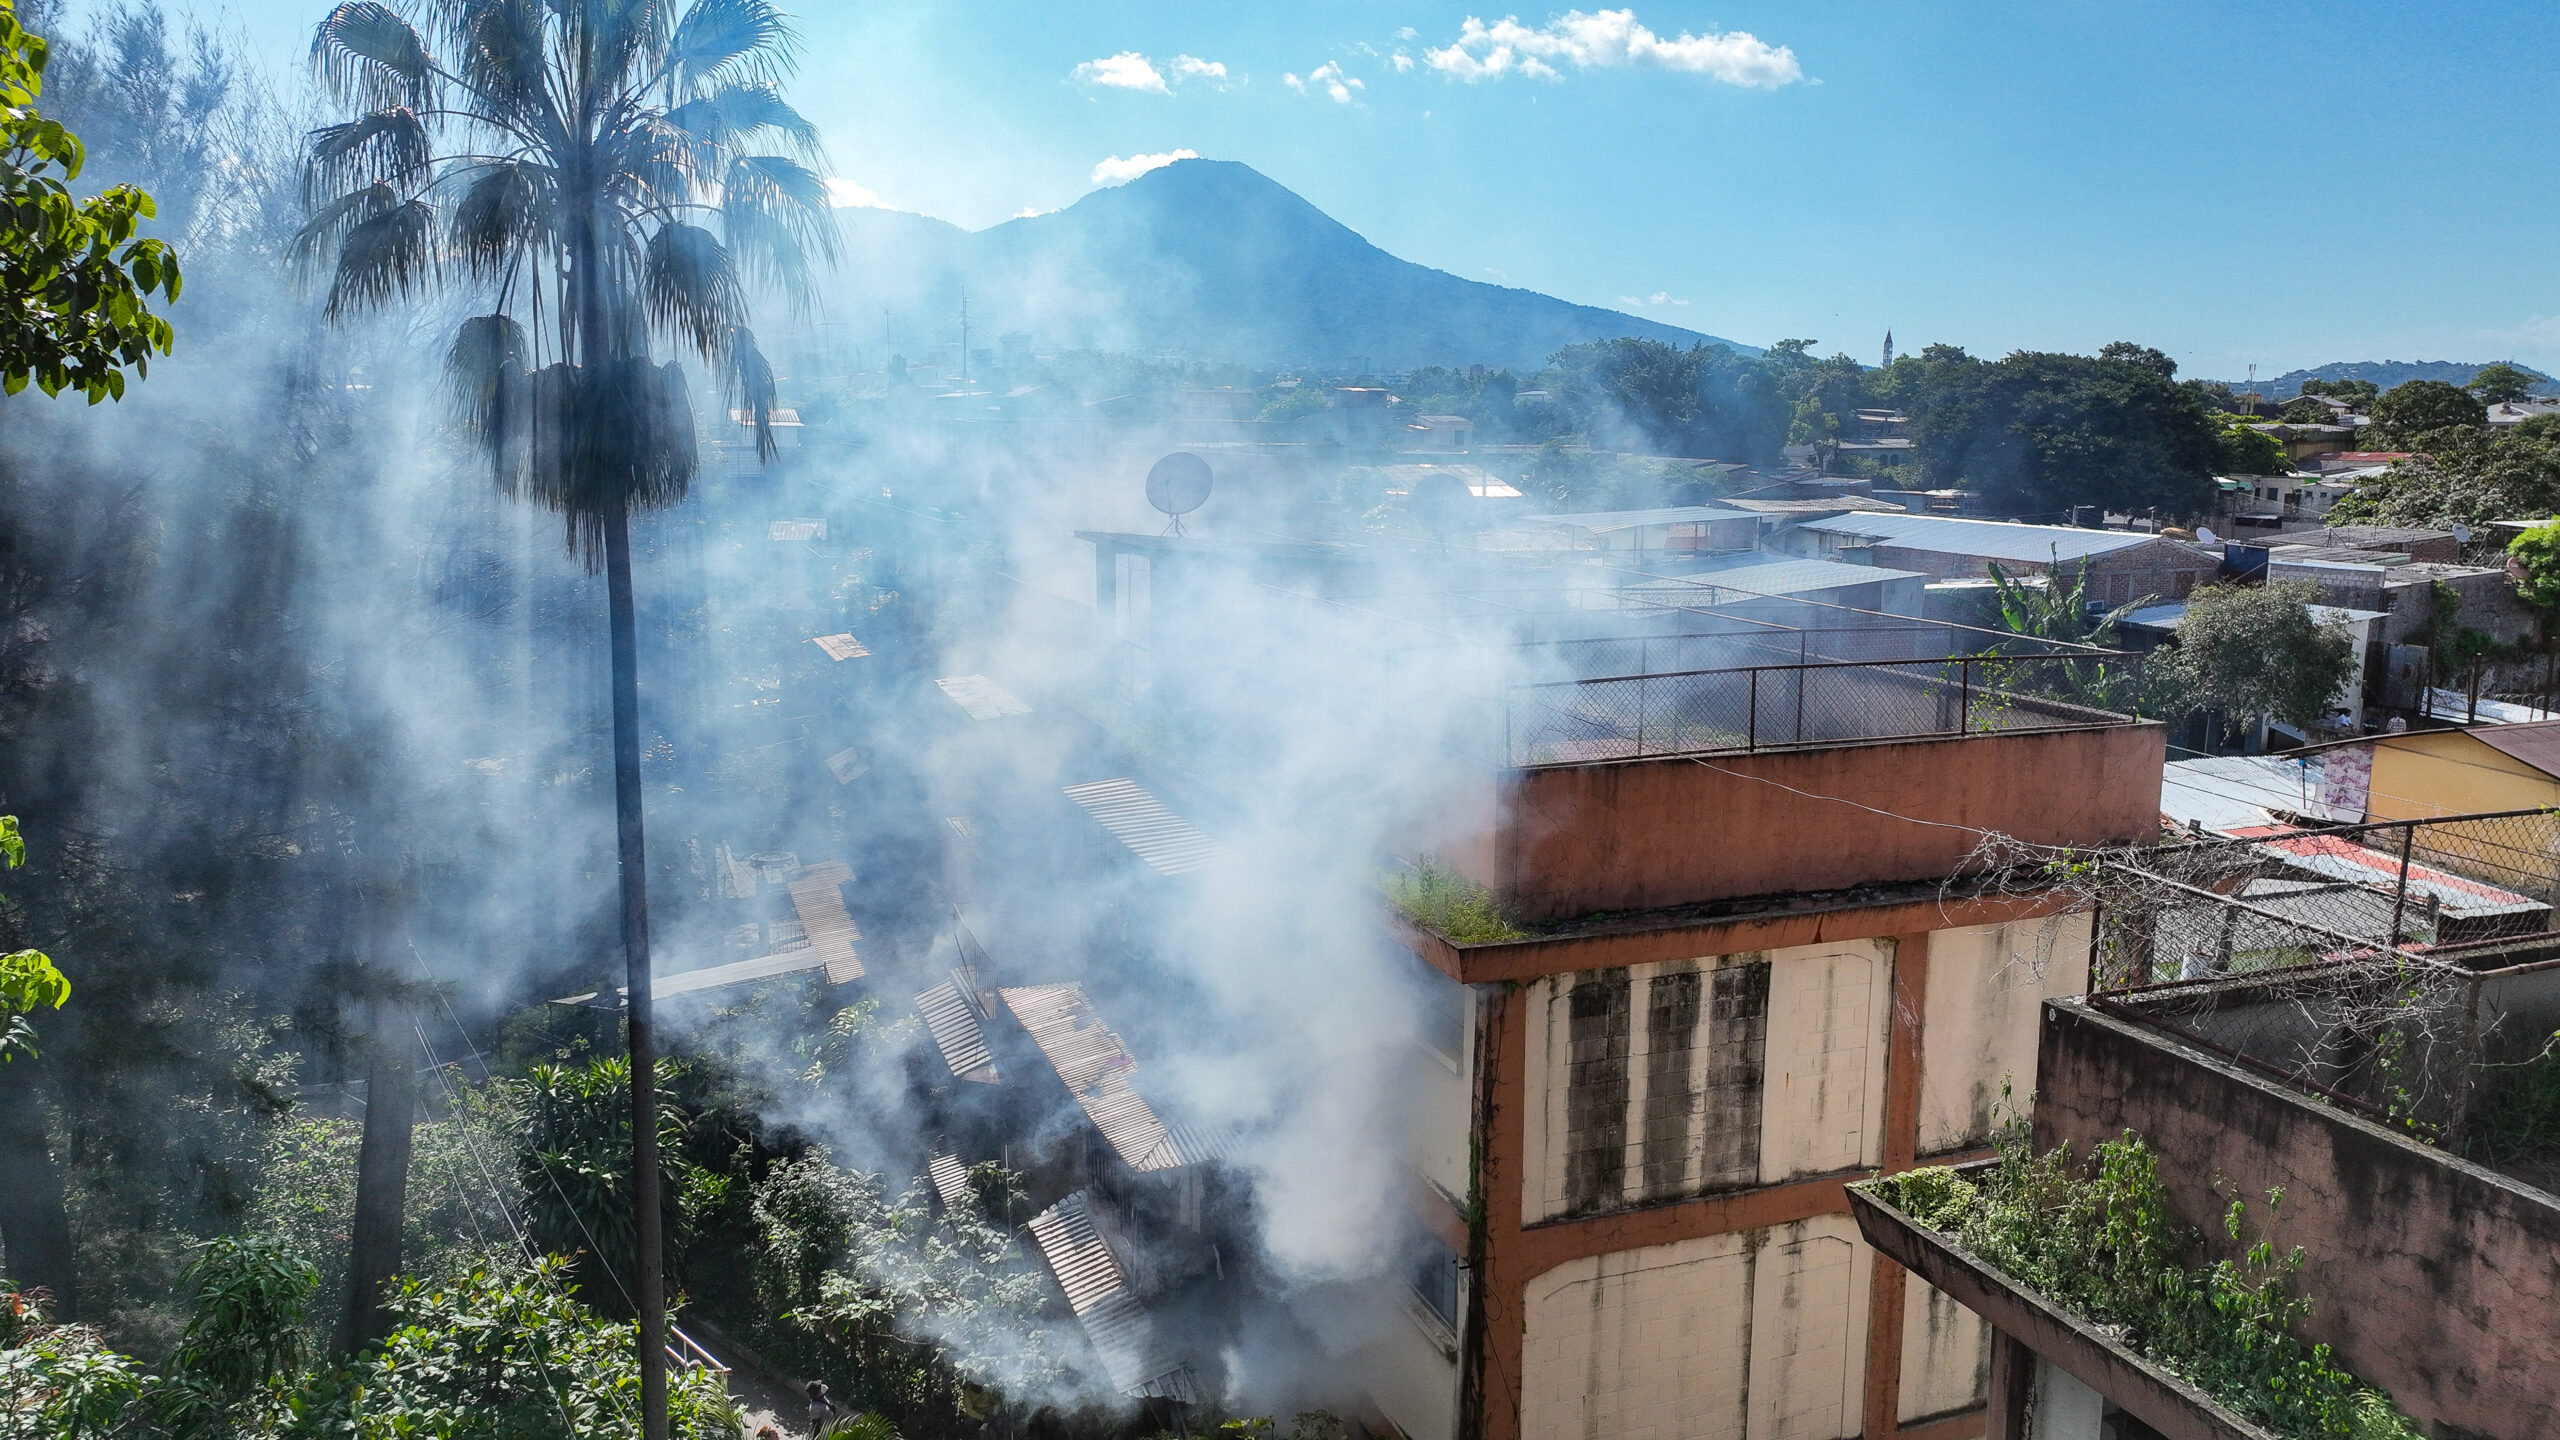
x=1655 y=1083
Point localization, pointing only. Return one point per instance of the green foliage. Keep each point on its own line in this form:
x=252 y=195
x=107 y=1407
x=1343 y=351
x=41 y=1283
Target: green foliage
x=58 y=1382
x=2536 y=552
x=2502 y=384
x=2412 y=416
x=2057 y=610
x=28 y=981
x=1436 y=897
x=2515 y=1116
x=2243 y=450
x=2467 y=475
x=1293 y=403
x=2306 y=411
x=574 y=1163
x=2101 y=1240
x=2246 y=652
x=77 y=275
x=2040 y=433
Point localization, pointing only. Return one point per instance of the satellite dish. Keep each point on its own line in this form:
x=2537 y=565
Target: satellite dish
x=2461 y=533
x=2204 y=534
x=1179 y=484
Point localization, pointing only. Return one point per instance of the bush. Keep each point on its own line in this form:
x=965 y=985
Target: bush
x=1441 y=900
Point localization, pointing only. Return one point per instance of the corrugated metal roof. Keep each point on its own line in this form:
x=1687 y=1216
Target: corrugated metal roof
x=983 y=698
x=2339 y=858
x=817 y=900
x=2536 y=743
x=1780 y=577
x=1990 y=539
x=1139 y=820
x=1098 y=1292
x=951 y=1182
x=840 y=647
x=1096 y=1065
x=950 y=1012
x=1602 y=520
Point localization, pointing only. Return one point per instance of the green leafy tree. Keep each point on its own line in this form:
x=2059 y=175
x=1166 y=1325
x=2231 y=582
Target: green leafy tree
x=2126 y=352
x=2424 y=409
x=601 y=169
x=2306 y=411
x=2040 y=433
x=77 y=274
x=28 y=981
x=2535 y=556
x=2246 y=450
x=2241 y=653
x=2502 y=384
x=2471 y=476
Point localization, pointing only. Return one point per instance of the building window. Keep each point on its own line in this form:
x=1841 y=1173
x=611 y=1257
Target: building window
x=1440 y=1004
x=1595 y=1164
x=1435 y=1279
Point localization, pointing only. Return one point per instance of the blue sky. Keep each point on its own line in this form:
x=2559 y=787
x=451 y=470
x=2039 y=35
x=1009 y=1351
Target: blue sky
x=2281 y=184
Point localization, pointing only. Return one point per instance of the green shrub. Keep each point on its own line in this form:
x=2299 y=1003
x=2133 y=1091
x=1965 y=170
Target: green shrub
x=1439 y=899
x=2100 y=1240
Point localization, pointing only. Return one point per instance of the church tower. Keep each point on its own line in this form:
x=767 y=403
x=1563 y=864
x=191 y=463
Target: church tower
x=1888 y=349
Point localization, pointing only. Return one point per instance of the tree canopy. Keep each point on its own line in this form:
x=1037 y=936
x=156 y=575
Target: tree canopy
x=2501 y=384
x=2243 y=652
x=2423 y=408
x=78 y=274
x=2468 y=475
x=2245 y=450
x=2040 y=433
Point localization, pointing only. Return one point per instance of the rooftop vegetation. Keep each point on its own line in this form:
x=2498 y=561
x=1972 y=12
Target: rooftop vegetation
x=2096 y=1236
x=1439 y=899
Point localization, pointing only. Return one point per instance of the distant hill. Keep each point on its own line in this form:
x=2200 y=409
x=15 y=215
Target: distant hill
x=2385 y=374
x=1206 y=258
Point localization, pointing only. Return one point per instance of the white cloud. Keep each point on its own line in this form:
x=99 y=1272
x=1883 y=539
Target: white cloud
x=1210 y=72
x=1658 y=297
x=1327 y=77
x=1130 y=70
x=1402 y=62
x=1116 y=169
x=844 y=194
x=1606 y=40
x=1127 y=70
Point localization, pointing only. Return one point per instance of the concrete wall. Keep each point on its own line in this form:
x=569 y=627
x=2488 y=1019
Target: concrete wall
x=1654 y=1083
x=1987 y=988
x=1755 y=1335
x=1637 y=834
x=2435 y=1279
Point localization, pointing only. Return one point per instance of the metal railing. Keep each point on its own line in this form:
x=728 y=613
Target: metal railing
x=1749 y=708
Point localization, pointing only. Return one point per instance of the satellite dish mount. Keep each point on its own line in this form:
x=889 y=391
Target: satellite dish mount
x=1177 y=485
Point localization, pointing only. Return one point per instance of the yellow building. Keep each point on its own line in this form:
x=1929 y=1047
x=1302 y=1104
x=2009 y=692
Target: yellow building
x=2422 y=775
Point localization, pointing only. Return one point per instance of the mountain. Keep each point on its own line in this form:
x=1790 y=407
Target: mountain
x=1206 y=258
x=2384 y=374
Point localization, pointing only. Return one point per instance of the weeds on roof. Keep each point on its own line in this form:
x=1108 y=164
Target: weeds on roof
x=1439 y=899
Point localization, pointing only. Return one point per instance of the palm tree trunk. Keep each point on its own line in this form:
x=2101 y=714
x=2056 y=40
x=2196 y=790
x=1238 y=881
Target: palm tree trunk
x=382 y=1174
x=648 y=1289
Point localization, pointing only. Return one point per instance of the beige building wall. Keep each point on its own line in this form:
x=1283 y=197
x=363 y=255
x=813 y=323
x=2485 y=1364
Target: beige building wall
x=1986 y=986
x=1755 y=1334
x=1661 y=1082
x=1410 y=1371
x=1946 y=1354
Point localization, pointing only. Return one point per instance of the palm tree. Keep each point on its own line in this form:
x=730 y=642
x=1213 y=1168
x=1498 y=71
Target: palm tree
x=592 y=171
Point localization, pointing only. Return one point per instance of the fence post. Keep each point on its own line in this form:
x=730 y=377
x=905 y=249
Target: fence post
x=1800 y=674
x=1640 y=684
x=2400 y=901
x=1964 y=697
x=1751 y=725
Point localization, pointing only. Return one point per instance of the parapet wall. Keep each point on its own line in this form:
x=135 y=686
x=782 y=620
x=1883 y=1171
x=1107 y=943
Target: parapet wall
x=2434 y=1278
x=1641 y=834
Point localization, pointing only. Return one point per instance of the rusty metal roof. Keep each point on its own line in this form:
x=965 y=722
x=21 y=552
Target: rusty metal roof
x=2535 y=742
x=1140 y=821
x=950 y=1012
x=1096 y=1067
x=817 y=900
x=1098 y=1292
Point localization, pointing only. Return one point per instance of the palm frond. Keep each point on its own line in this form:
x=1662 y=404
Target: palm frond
x=750 y=385
x=505 y=211
x=364 y=51
x=689 y=289
x=609 y=439
x=390 y=145
x=733 y=113
x=485 y=388
x=748 y=40
x=623 y=37
x=391 y=253
x=775 y=215
x=330 y=221
x=497 y=47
